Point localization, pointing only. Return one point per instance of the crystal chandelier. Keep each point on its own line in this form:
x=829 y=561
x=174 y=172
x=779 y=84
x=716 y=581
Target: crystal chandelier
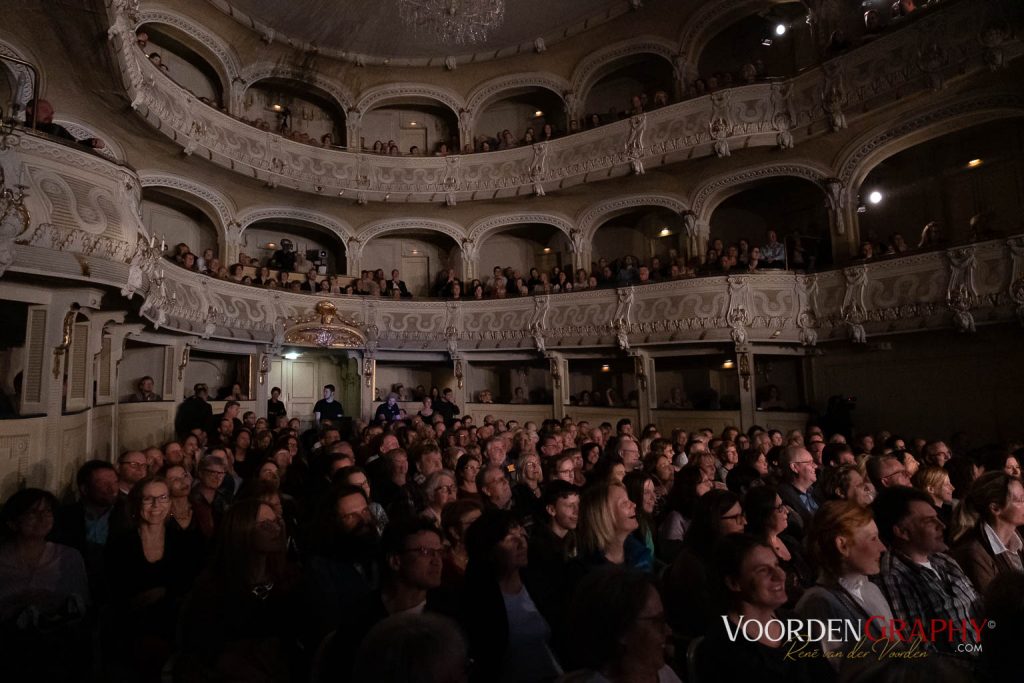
x=453 y=21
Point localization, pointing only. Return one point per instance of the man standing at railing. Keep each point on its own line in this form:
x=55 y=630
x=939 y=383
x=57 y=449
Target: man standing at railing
x=44 y=123
x=773 y=253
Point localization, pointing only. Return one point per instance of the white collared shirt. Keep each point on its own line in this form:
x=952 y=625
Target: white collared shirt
x=998 y=547
x=867 y=595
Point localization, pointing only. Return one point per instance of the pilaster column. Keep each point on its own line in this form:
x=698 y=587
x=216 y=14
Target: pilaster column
x=260 y=390
x=643 y=369
x=559 y=368
x=748 y=390
x=368 y=365
x=353 y=129
x=470 y=254
x=460 y=391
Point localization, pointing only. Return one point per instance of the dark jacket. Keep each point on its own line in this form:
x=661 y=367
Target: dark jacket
x=801 y=521
x=390 y=288
x=975 y=555
x=192 y=413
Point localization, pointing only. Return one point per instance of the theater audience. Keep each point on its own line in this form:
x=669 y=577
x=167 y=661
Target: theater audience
x=305 y=563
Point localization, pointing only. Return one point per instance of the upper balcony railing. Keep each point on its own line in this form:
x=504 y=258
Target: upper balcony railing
x=926 y=55
x=74 y=216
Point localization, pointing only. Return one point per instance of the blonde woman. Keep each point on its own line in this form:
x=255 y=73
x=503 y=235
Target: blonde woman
x=935 y=482
x=986 y=540
x=607 y=522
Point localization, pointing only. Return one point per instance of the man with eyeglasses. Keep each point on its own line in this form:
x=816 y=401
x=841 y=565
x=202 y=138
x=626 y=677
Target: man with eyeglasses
x=342 y=570
x=796 y=490
x=494 y=487
x=412 y=553
x=131 y=467
x=886 y=471
x=208 y=502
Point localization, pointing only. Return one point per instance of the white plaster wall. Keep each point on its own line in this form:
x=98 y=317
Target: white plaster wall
x=177 y=227
x=184 y=74
x=388 y=124
x=138 y=362
x=387 y=252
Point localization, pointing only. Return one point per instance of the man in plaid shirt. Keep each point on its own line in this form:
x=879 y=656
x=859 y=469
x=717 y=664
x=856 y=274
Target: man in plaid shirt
x=921 y=582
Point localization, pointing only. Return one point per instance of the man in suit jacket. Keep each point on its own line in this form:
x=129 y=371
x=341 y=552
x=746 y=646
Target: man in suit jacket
x=799 y=474
x=86 y=525
x=396 y=285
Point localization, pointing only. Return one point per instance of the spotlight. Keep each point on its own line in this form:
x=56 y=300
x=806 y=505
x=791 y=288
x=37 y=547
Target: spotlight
x=875 y=197
x=276 y=107
x=974 y=163
x=780 y=30
x=728 y=365
x=538 y=113
x=665 y=232
x=547 y=250
x=606 y=368
x=292 y=355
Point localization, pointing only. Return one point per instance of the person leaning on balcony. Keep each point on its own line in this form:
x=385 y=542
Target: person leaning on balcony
x=44 y=122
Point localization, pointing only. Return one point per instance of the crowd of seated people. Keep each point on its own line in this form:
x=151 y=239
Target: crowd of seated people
x=742 y=256
x=254 y=549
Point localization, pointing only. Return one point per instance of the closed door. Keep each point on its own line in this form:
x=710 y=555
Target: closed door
x=416 y=274
x=409 y=138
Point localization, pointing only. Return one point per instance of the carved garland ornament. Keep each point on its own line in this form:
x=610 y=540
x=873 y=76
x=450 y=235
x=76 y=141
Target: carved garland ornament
x=325 y=329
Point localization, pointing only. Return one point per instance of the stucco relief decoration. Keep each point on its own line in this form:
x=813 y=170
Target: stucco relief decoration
x=961 y=293
x=158 y=302
x=783 y=117
x=720 y=126
x=740 y=304
x=539 y=46
x=932 y=59
x=806 y=295
x=14 y=220
x=144 y=265
x=538 y=166
x=835 y=200
x=994 y=38
x=834 y=96
x=1016 y=289
x=854 y=311
x=324 y=328
x=621 y=319
x=635 y=143
x=538 y=323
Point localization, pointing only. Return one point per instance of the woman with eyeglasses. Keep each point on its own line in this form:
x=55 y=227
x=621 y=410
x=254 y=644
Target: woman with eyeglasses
x=44 y=594
x=767 y=519
x=687 y=582
x=34 y=572
x=617 y=630
x=438 y=491
x=241 y=621
x=149 y=572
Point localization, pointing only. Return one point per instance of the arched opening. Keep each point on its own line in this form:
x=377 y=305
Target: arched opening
x=182 y=63
x=517 y=111
x=314 y=246
x=298 y=111
x=644 y=75
x=173 y=216
x=419 y=255
x=792 y=207
x=649 y=236
x=774 y=43
x=415 y=126
x=977 y=171
x=521 y=248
